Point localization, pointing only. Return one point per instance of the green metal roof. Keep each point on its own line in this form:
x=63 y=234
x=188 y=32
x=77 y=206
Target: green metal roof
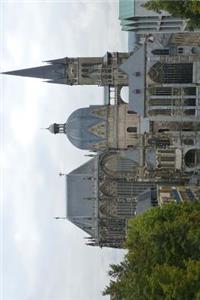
x=127 y=28
x=126 y=22
x=126 y=9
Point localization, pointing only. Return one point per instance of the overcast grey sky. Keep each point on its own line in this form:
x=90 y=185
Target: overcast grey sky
x=42 y=258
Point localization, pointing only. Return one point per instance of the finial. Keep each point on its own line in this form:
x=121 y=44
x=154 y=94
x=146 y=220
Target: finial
x=61 y=174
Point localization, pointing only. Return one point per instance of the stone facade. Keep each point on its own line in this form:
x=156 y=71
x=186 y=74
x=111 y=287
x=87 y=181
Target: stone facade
x=151 y=143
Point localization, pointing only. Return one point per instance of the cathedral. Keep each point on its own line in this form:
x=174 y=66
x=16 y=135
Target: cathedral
x=147 y=151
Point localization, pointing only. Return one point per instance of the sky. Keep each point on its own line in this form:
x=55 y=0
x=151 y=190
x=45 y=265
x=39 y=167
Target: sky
x=43 y=258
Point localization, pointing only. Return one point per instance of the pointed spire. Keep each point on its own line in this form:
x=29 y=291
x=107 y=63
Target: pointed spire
x=53 y=72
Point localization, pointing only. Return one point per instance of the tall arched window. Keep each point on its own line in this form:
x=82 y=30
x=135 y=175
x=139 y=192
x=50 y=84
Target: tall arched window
x=119 y=167
x=171 y=73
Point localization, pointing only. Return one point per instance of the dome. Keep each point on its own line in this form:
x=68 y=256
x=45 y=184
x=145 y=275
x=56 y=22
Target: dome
x=77 y=128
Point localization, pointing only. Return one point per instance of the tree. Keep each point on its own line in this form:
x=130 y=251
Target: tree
x=186 y=9
x=163 y=259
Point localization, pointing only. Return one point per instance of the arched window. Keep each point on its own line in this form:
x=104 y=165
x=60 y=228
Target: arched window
x=131 y=112
x=119 y=167
x=189 y=112
x=85 y=70
x=180 y=50
x=132 y=129
x=161 y=91
x=160 y=51
x=109 y=188
x=190 y=90
x=86 y=65
x=124 y=93
x=189 y=142
x=160 y=112
x=186 y=129
x=161 y=142
x=192 y=158
x=160 y=102
x=195 y=50
x=163 y=129
x=190 y=102
x=104 y=209
x=171 y=73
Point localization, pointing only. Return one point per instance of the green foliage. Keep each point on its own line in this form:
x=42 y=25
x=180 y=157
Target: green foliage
x=163 y=259
x=187 y=9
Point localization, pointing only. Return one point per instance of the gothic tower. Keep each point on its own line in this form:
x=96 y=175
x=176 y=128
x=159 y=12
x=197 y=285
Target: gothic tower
x=102 y=71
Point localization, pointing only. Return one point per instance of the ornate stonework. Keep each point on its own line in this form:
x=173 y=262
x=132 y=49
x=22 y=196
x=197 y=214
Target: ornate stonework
x=154 y=140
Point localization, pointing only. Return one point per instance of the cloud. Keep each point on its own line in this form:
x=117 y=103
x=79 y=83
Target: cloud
x=46 y=259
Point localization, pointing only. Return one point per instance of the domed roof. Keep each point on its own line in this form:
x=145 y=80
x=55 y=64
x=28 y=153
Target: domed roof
x=77 y=128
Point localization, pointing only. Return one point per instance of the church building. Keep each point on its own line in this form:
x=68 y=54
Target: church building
x=144 y=149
